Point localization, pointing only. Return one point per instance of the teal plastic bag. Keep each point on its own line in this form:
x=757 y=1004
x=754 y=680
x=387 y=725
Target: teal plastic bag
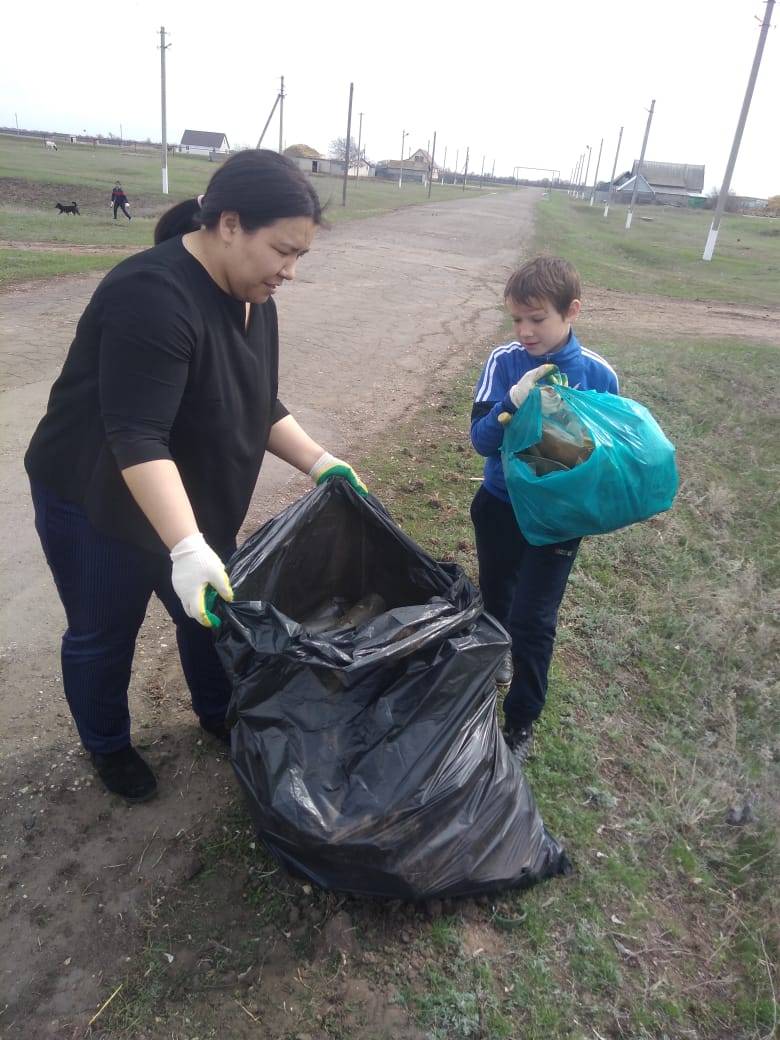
x=630 y=475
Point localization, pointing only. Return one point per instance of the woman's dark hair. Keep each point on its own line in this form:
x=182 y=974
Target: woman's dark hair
x=260 y=185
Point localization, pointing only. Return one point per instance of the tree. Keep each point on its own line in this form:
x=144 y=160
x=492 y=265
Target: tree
x=732 y=206
x=338 y=150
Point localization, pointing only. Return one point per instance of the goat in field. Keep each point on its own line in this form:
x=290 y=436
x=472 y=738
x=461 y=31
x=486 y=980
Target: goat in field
x=52 y=145
x=72 y=208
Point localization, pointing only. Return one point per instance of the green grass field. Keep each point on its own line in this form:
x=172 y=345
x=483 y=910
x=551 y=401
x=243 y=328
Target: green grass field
x=663 y=254
x=656 y=755
x=33 y=179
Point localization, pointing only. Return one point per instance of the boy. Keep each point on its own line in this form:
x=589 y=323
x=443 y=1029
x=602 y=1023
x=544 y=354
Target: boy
x=522 y=584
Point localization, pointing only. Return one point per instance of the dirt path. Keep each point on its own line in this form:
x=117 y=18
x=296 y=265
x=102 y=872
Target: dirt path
x=383 y=310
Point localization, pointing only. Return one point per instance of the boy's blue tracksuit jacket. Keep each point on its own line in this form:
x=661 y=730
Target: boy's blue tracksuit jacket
x=585 y=370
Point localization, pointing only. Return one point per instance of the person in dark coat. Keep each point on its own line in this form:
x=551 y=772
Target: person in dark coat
x=143 y=467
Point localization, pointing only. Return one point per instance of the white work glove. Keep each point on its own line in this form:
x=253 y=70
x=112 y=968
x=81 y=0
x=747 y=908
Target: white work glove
x=520 y=391
x=195 y=566
x=328 y=466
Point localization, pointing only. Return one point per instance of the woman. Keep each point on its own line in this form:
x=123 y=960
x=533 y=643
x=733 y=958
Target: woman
x=153 y=439
x=119 y=200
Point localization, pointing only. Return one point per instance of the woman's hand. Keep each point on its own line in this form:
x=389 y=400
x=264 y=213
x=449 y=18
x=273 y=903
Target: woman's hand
x=195 y=566
x=328 y=466
x=288 y=441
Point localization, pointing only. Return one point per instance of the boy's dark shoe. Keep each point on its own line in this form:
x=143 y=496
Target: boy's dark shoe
x=505 y=670
x=520 y=741
x=125 y=773
x=219 y=730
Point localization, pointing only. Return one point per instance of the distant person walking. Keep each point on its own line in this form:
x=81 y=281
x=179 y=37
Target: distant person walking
x=119 y=200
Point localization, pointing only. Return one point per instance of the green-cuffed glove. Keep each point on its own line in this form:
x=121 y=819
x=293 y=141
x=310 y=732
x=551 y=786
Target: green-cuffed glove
x=520 y=391
x=328 y=466
x=196 y=568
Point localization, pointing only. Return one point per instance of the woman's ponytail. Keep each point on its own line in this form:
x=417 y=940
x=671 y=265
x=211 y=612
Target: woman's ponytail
x=260 y=185
x=178 y=220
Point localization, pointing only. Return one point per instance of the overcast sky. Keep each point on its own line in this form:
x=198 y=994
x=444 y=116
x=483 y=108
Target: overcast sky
x=526 y=84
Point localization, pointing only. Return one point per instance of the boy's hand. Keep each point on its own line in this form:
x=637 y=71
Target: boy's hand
x=520 y=391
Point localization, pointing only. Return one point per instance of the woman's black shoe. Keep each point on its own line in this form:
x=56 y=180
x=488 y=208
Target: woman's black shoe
x=219 y=730
x=125 y=773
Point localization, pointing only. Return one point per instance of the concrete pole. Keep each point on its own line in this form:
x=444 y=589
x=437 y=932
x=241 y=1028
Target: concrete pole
x=346 y=148
x=164 y=142
x=712 y=237
x=281 y=116
x=587 y=171
x=612 y=178
x=360 y=137
x=596 y=174
x=404 y=135
x=430 y=168
x=630 y=214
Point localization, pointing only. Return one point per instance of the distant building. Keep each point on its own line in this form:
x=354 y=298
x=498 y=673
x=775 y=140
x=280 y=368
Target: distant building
x=390 y=169
x=204 y=142
x=668 y=184
x=311 y=161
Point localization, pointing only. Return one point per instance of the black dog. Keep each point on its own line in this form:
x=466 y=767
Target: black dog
x=72 y=208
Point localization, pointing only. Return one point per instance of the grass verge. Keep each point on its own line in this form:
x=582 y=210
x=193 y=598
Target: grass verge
x=23 y=265
x=654 y=763
x=662 y=251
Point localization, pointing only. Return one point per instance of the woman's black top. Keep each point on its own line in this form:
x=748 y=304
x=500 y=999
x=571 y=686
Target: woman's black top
x=162 y=368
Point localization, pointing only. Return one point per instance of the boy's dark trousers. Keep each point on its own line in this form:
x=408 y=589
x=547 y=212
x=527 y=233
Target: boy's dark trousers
x=522 y=586
x=105 y=586
x=120 y=205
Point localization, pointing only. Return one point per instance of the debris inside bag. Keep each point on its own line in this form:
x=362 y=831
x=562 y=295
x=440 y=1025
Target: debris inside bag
x=565 y=441
x=335 y=613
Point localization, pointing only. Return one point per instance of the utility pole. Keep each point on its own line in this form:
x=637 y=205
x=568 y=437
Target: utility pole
x=596 y=174
x=346 y=148
x=430 y=168
x=270 y=117
x=612 y=178
x=482 y=172
x=404 y=135
x=466 y=169
x=712 y=237
x=360 y=136
x=576 y=179
x=585 y=179
x=444 y=164
x=630 y=214
x=16 y=117
x=493 y=171
x=164 y=143
x=281 y=115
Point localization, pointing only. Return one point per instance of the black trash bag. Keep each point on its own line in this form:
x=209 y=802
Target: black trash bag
x=370 y=756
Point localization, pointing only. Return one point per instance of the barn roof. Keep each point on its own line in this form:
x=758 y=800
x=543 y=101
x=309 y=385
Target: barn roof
x=673 y=175
x=203 y=139
x=302 y=151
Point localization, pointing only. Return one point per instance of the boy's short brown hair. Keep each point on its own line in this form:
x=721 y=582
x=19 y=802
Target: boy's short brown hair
x=545 y=278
